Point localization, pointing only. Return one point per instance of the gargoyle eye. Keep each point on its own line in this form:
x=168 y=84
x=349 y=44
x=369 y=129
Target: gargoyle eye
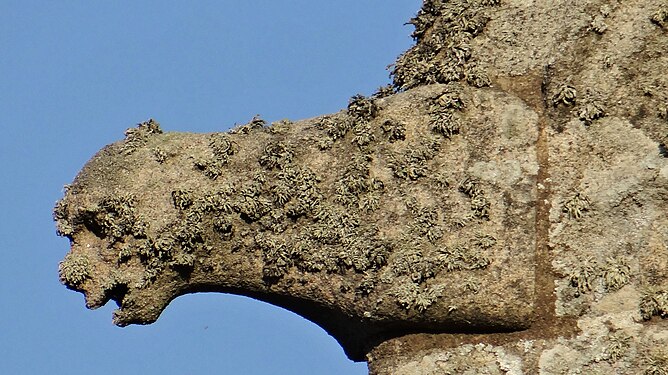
x=94 y=226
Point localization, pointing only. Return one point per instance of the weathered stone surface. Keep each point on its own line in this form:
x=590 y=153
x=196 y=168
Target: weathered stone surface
x=502 y=210
x=368 y=241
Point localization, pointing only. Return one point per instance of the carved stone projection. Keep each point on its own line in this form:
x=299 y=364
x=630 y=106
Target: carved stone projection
x=501 y=209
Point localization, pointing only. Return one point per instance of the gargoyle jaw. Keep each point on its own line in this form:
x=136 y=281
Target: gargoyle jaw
x=135 y=305
x=87 y=269
x=138 y=307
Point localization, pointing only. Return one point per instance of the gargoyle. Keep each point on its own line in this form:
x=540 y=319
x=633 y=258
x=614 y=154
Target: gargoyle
x=371 y=222
x=460 y=200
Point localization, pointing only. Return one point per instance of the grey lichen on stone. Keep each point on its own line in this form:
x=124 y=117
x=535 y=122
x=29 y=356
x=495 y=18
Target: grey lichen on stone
x=588 y=274
x=591 y=111
x=63 y=226
x=616 y=273
x=74 y=269
x=444 y=114
x=479 y=204
x=280 y=127
x=577 y=205
x=582 y=277
x=660 y=16
x=137 y=137
x=256 y=123
x=444 y=32
x=160 y=155
x=654 y=302
x=412 y=162
x=394 y=130
x=662 y=111
x=566 y=95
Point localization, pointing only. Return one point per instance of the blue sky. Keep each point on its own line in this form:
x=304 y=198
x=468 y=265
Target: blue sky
x=75 y=74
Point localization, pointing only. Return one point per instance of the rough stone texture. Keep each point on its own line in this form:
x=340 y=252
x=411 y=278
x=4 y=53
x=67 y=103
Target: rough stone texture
x=500 y=210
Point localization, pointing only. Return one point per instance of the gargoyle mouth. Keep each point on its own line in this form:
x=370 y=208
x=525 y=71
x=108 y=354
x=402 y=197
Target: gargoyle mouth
x=124 y=314
x=136 y=306
x=117 y=293
x=96 y=298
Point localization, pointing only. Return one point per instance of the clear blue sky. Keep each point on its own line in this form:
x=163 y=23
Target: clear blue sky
x=75 y=74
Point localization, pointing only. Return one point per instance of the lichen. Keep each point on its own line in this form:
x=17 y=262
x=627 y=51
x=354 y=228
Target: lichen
x=444 y=31
x=394 y=130
x=276 y=255
x=405 y=294
x=64 y=227
x=222 y=147
x=662 y=111
x=276 y=155
x=426 y=223
x=187 y=235
x=484 y=241
x=125 y=252
x=334 y=128
x=410 y=261
x=183 y=262
x=660 y=16
x=449 y=99
x=280 y=127
x=219 y=201
x=356 y=188
x=210 y=168
x=410 y=295
x=656 y=361
x=426 y=297
x=256 y=123
x=137 y=137
x=306 y=195
x=160 y=155
x=74 y=269
x=363 y=135
x=590 y=112
x=362 y=108
x=616 y=273
x=472 y=285
x=384 y=91
x=618 y=346
x=365 y=287
x=251 y=206
x=412 y=163
x=161 y=248
x=153 y=268
x=182 y=198
x=461 y=257
x=445 y=123
x=576 y=206
x=114 y=217
x=480 y=205
x=476 y=76
x=582 y=277
x=654 y=302
x=566 y=95
x=588 y=273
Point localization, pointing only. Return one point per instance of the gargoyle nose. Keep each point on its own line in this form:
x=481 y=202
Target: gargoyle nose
x=74 y=270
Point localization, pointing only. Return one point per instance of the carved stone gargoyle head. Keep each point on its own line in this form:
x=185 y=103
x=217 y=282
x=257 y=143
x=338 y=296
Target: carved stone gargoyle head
x=373 y=222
